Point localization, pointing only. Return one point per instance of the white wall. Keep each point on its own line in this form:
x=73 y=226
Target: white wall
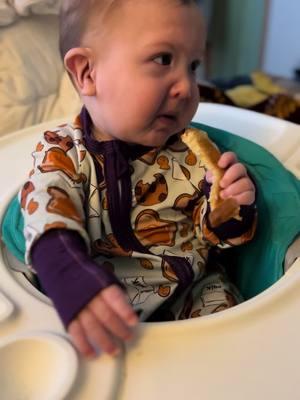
x=282 y=45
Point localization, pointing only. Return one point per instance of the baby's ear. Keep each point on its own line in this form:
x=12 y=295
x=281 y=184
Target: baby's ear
x=78 y=62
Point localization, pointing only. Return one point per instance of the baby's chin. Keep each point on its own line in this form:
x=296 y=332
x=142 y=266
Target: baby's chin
x=156 y=140
x=152 y=143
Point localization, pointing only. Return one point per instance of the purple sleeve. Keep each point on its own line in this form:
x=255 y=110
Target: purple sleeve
x=66 y=272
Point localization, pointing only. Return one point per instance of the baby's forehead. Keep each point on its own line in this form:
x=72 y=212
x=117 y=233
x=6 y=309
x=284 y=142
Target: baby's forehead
x=130 y=16
x=99 y=8
x=101 y=12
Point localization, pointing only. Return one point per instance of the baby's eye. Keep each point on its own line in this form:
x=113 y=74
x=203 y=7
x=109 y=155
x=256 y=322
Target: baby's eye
x=195 y=65
x=163 y=59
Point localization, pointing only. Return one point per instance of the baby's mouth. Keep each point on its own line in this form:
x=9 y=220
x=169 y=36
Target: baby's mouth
x=167 y=118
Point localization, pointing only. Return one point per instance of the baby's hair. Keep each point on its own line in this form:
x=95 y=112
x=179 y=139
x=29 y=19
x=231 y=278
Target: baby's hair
x=75 y=16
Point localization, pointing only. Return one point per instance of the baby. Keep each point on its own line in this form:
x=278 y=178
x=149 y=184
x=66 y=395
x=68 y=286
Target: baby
x=115 y=209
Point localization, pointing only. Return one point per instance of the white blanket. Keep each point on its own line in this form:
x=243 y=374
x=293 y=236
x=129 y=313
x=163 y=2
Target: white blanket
x=10 y=10
x=33 y=86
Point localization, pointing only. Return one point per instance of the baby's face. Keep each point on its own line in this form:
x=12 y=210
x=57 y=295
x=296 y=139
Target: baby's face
x=146 y=72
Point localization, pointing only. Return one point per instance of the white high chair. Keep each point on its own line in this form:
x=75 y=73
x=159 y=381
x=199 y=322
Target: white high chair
x=251 y=351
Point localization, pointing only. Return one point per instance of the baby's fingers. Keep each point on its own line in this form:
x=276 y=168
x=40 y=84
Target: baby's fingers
x=109 y=317
x=88 y=334
x=235 y=172
x=245 y=198
x=79 y=339
x=228 y=158
x=97 y=334
x=243 y=191
x=118 y=302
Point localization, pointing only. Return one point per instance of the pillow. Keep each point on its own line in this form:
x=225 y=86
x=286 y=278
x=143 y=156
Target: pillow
x=33 y=84
x=11 y=10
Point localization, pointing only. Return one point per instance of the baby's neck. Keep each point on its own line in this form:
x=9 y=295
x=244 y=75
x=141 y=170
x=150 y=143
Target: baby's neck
x=100 y=136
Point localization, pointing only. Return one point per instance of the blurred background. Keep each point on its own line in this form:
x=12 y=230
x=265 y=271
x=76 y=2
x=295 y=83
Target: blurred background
x=252 y=60
x=252 y=35
x=253 y=56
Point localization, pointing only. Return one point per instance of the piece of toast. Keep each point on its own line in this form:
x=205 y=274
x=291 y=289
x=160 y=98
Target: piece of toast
x=200 y=144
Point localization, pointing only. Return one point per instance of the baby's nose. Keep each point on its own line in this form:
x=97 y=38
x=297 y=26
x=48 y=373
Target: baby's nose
x=182 y=87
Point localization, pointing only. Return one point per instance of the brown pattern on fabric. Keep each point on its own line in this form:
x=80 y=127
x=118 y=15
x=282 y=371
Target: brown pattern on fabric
x=190 y=158
x=39 y=147
x=210 y=236
x=168 y=272
x=186 y=172
x=140 y=291
x=201 y=185
x=28 y=188
x=186 y=203
x=60 y=203
x=146 y=263
x=77 y=123
x=93 y=212
x=64 y=142
x=55 y=225
x=104 y=202
x=163 y=162
x=228 y=302
x=151 y=230
x=56 y=159
x=109 y=247
x=82 y=155
x=209 y=296
x=184 y=229
x=150 y=157
x=32 y=206
x=186 y=246
x=202 y=251
x=99 y=159
x=149 y=194
x=164 y=290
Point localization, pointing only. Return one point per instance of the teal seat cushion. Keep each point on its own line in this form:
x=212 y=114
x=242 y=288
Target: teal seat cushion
x=260 y=262
x=12 y=229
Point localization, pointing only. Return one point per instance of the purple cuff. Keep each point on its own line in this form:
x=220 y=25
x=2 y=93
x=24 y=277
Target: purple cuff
x=235 y=228
x=66 y=272
x=232 y=228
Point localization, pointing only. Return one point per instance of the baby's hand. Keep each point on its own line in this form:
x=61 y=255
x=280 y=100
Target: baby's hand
x=235 y=182
x=105 y=320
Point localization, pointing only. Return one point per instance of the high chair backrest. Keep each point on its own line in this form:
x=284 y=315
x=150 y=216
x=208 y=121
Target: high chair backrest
x=280 y=137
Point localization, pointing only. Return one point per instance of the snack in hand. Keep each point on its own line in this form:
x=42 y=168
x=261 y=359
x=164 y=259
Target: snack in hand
x=200 y=144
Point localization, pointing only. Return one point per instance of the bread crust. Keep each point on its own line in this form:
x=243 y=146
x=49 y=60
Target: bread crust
x=200 y=144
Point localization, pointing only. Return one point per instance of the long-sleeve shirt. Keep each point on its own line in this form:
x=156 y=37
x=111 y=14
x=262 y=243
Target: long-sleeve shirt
x=109 y=212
